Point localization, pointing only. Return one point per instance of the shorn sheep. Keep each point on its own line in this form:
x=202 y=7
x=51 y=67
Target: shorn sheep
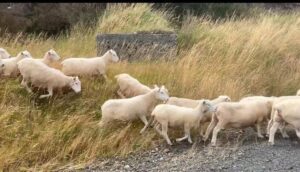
x=4 y=54
x=43 y=76
x=238 y=115
x=184 y=102
x=285 y=112
x=176 y=116
x=89 y=66
x=132 y=108
x=129 y=86
x=10 y=65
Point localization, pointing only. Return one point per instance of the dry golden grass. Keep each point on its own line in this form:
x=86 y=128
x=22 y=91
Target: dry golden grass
x=257 y=56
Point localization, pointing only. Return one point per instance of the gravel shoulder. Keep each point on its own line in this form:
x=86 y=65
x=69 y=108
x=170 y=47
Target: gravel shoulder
x=235 y=152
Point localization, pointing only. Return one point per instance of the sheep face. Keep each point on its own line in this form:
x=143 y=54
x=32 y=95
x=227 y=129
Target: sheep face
x=161 y=93
x=1 y=66
x=76 y=84
x=114 y=56
x=24 y=54
x=52 y=55
x=206 y=106
x=4 y=54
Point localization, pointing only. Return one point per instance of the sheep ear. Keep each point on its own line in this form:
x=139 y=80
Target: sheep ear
x=22 y=53
x=76 y=78
x=155 y=86
x=204 y=102
x=163 y=87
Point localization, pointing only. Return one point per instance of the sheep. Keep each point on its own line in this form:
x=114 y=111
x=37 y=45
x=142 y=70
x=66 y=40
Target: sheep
x=238 y=115
x=285 y=112
x=10 y=64
x=89 y=66
x=281 y=127
x=4 y=54
x=49 y=57
x=172 y=115
x=129 y=86
x=184 y=102
x=132 y=108
x=43 y=76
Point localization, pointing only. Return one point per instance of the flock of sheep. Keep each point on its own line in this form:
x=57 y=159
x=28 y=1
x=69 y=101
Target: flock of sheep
x=138 y=101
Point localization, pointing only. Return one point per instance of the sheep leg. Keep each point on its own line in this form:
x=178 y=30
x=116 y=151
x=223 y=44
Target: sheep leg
x=187 y=135
x=50 y=93
x=273 y=130
x=165 y=133
x=156 y=127
x=215 y=133
x=24 y=84
x=297 y=132
x=269 y=126
x=283 y=131
x=258 y=128
x=209 y=129
x=143 y=118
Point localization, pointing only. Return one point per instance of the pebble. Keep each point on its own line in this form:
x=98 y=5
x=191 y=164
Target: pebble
x=127 y=167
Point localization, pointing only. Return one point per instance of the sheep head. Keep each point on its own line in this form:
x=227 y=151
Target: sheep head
x=75 y=84
x=4 y=54
x=113 y=55
x=161 y=93
x=24 y=54
x=51 y=55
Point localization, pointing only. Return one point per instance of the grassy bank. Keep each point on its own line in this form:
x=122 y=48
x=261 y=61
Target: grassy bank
x=258 y=55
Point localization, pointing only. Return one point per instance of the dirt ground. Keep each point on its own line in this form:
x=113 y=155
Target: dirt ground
x=234 y=152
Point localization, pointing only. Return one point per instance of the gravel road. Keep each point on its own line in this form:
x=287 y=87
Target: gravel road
x=235 y=152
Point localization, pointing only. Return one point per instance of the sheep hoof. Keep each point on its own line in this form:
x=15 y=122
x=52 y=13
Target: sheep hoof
x=261 y=136
x=213 y=144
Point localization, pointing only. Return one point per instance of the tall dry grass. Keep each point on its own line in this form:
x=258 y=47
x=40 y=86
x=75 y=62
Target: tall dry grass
x=258 y=55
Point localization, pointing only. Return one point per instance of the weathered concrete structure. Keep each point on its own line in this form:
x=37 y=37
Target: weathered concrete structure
x=139 y=46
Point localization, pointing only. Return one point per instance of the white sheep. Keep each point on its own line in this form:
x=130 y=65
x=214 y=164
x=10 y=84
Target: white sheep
x=184 y=102
x=176 y=116
x=285 y=112
x=132 y=108
x=89 y=66
x=43 y=76
x=238 y=115
x=10 y=64
x=281 y=127
x=49 y=57
x=4 y=54
x=129 y=86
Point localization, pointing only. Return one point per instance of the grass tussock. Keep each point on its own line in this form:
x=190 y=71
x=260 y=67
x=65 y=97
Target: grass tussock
x=258 y=55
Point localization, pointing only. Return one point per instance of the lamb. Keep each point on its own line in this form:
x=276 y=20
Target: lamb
x=89 y=66
x=285 y=112
x=132 y=108
x=49 y=57
x=4 y=54
x=184 y=102
x=43 y=76
x=10 y=64
x=129 y=86
x=172 y=115
x=238 y=115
